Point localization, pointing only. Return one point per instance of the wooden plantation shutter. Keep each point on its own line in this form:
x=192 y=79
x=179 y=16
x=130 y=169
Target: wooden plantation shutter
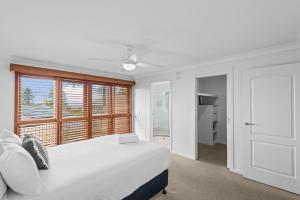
x=101 y=109
x=121 y=109
x=61 y=107
x=36 y=99
x=74 y=115
x=111 y=109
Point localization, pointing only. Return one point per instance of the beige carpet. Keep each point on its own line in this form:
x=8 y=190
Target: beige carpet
x=209 y=179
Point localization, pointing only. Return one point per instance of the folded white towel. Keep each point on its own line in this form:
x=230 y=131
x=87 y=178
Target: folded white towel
x=128 y=138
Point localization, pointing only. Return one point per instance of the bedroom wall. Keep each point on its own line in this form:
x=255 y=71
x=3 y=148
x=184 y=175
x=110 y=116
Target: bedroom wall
x=7 y=84
x=183 y=98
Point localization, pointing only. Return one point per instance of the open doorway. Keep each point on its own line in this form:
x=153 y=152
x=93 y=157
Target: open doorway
x=160 y=108
x=212 y=119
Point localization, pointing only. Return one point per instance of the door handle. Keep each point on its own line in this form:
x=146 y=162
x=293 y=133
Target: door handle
x=249 y=124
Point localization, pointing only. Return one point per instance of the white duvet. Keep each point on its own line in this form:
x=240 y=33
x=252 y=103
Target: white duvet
x=99 y=169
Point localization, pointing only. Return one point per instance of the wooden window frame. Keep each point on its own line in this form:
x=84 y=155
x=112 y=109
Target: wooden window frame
x=44 y=72
x=18 y=122
x=60 y=77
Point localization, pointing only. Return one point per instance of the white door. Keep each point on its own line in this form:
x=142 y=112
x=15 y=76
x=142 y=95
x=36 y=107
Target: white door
x=272 y=126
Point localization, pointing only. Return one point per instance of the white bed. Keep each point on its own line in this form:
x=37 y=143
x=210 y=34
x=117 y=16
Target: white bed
x=99 y=169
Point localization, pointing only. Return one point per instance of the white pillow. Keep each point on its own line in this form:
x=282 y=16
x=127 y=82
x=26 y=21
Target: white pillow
x=3 y=186
x=19 y=170
x=9 y=136
x=3 y=189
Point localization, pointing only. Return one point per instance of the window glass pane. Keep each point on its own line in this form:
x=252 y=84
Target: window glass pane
x=100 y=99
x=73 y=99
x=37 y=98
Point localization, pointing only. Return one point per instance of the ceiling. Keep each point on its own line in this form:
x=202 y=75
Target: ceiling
x=170 y=33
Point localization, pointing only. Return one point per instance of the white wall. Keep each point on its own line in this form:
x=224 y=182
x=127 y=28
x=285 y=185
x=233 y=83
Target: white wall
x=184 y=101
x=7 y=95
x=7 y=88
x=183 y=123
x=217 y=86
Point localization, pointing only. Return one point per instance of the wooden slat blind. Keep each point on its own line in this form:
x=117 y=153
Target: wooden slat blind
x=111 y=109
x=74 y=131
x=120 y=99
x=121 y=106
x=121 y=125
x=45 y=131
x=102 y=112
x=101 y=104
x=59 y=110
x=73 y=99
x=37 y=98
x=74 y=111
x=101 y=127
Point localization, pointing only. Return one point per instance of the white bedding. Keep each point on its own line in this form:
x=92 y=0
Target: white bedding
x=99 y=169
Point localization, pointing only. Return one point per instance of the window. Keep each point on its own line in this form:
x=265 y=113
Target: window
x=121 y=108
x=111 y=109
x=74 y=111
x=60 y=109
x=101 y=110
x=36 y=113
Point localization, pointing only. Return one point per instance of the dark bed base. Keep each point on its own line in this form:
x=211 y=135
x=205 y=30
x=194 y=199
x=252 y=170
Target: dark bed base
x=151 y=188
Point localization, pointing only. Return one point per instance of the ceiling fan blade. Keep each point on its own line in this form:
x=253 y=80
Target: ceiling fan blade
x=103 y=60
x=148 y=65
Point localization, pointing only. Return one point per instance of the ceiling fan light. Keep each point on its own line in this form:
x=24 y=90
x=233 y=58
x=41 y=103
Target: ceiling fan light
x=128 y=66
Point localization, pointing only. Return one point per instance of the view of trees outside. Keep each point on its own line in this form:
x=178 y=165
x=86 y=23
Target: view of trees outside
x=27 y=97
x=37 y=102
x=100 y=99
x=37 y=98
x=73 y=99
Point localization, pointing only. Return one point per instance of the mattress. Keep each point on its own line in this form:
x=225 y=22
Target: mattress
x=99 y=169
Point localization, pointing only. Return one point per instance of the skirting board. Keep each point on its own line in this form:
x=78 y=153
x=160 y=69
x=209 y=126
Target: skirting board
x=184 y=155
x=237 y=171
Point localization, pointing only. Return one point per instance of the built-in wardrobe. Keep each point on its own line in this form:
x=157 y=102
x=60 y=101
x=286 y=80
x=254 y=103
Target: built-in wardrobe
x=207 y=118
x=211 y=110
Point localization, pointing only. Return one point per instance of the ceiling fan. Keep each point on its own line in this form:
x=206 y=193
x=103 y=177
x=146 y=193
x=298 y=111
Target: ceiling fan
x=130 y=60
